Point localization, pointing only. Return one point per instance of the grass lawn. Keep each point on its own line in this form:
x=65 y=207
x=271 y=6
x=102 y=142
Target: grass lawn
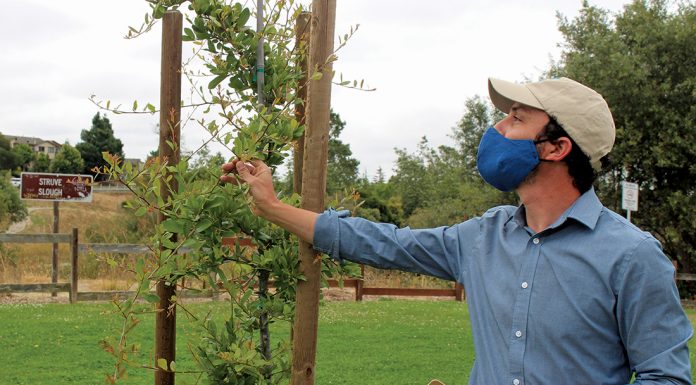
x=375 y=342
x=387 y=342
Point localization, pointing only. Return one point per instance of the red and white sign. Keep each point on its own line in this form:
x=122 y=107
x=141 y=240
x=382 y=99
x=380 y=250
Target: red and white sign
x=629 y=196
x=56 y=187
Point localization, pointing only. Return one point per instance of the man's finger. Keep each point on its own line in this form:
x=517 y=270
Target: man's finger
x=232 y=179
x=245 y=171
x=228 y=167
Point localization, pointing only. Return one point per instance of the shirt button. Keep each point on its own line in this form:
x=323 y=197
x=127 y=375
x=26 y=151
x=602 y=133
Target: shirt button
x=518 y=334
x=525 y=285
x=516 y=382
x=535 y=241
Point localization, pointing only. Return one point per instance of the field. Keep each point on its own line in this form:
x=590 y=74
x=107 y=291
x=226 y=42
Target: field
x=105 y=221
x=374 y=342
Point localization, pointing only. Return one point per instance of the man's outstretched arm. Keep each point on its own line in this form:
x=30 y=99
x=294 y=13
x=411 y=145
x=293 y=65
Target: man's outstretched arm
x=265 y=202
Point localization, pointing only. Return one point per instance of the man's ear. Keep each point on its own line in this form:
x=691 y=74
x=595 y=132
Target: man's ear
x=558 y=149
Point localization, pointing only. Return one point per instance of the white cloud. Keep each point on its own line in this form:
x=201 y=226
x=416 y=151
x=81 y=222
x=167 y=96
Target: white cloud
x=425 y=58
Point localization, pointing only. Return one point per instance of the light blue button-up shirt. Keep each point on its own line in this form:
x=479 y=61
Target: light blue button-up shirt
x=587 y=301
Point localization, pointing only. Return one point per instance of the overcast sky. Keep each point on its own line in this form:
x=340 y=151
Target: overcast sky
x=424 y=57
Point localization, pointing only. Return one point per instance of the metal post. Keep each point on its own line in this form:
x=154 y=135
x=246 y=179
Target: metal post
x=170 y=116
x=260 y=58
x=313 y=190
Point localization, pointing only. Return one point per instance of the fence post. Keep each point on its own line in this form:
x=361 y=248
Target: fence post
x=459 y=293
x=359 y=284
x=74 y=266
x=54 y=259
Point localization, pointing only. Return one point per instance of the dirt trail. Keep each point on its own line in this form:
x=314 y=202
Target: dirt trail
x=17 y=227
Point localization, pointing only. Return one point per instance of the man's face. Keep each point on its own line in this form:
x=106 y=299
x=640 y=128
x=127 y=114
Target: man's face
x=522 y=122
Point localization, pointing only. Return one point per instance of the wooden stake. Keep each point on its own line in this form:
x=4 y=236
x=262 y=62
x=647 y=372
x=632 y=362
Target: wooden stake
x=313 y=189
x=169 y=144
x=301 y=39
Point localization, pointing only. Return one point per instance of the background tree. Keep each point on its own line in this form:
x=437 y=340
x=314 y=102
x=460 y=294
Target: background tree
x=24 y=155
x=96 y=140
x=440 y=186
x=67 y=161
x=478 y=116
x=12 y=209
x=342 y=168
x=41 y=163
x=8 y=159
x=643 y=61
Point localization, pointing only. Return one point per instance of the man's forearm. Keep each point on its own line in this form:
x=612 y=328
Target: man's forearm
x=295 y=220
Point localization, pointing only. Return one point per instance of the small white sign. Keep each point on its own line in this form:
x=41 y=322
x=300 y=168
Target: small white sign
x=629 y=199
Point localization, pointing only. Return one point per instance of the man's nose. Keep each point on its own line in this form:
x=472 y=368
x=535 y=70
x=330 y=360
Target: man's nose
x=502 y=125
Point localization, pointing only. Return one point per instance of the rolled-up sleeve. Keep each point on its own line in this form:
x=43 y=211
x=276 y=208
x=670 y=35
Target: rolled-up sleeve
x=652 y=323
x=433 y=252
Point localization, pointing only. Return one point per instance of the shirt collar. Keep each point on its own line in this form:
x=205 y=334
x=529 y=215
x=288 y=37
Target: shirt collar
x=585 y=209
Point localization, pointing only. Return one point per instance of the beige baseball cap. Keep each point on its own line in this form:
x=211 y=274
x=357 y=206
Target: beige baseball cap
x=581 y=111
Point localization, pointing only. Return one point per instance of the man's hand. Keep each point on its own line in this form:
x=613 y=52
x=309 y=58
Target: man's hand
x=258 y=176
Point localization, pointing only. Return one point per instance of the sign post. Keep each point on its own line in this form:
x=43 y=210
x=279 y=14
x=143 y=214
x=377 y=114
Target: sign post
x=56 y=188
x=629 y=198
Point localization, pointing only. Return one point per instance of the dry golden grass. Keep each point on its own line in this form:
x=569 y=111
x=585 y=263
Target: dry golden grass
x=105 y=221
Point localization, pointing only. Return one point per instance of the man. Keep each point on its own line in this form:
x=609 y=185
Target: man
x=560 y=289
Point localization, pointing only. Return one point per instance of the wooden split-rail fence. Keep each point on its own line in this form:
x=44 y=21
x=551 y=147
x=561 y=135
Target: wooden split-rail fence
x=361 y=290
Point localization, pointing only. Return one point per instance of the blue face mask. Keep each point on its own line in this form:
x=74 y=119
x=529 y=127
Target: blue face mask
x=505 y=163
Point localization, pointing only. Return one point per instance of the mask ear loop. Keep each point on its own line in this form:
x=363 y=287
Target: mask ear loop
x=539 y=141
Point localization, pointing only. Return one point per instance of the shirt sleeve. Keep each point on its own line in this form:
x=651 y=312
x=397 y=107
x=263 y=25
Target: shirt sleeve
x=652 y=322
x=433 y=252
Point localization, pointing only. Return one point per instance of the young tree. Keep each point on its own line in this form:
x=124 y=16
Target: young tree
x=643 y=61
x=98 y=139
x=67 y=161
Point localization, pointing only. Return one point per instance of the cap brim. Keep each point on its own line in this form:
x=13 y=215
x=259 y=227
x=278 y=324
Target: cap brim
x=504 y=94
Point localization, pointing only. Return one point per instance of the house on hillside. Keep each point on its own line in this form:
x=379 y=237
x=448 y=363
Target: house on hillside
x=38 y=145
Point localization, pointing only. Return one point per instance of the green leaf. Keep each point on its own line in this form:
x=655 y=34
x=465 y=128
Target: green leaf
x=203 y=225
x=188 y=35
x=158 y=11
x=162 y=363
x=218 y=79
x=174 y=226
x=135 y=105
x=172 y=366
x=141 y=211
x=317 y=75
x=151 y=297
x=244 y=17
x=151 y=108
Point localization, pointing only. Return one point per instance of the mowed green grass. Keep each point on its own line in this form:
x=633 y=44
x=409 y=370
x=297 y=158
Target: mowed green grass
x=387 y=342
x=375 y=342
